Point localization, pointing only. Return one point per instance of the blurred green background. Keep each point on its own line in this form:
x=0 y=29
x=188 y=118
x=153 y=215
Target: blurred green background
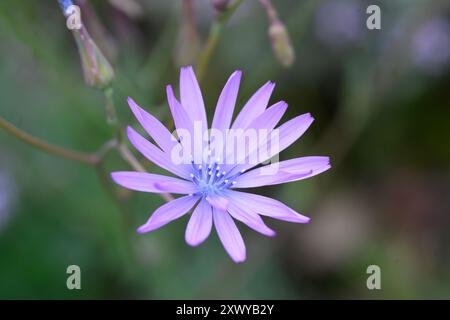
x=381 y=101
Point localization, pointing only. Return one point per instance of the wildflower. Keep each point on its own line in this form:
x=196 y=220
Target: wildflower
x=208 y=184
x=339 y=23
x=430 y=48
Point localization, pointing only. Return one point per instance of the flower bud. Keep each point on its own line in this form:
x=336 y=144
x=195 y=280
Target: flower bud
x=279 y=36
x=281 y=43
x=97 y=71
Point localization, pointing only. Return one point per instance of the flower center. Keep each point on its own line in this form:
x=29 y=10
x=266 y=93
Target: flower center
x=211 y=179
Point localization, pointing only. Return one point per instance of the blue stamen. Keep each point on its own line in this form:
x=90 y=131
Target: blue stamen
x=210 y=179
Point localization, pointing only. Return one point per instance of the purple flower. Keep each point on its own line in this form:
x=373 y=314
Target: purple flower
x=339 y=23
x=431 y=46
x=208 y=183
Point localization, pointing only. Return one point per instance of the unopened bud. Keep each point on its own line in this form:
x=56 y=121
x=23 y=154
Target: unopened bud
x=220 y=5
x=279 y=36
x=97 y=71
x=281 y=43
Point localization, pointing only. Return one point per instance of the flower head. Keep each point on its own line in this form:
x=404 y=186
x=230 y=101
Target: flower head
x=211 y=165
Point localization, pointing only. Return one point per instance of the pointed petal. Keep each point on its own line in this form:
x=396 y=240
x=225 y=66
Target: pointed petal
x=155 y=155
x=270 y=117
x=289 y=132
x=153 y=126
x=247 y=216
x=229 y=235
x=168 y=212
x=227 y=100
x=284 y=171
x=200 y=224
x=149 y=182
x=180 y=116
x=191 y=96
x=239 y=147
x=257 y=179
x=280 y=138
x=254 y=107
x=191 y=140
x=266 y=206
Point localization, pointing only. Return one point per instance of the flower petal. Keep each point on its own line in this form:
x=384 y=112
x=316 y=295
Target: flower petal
x=284 y=171
x=168 y=212
x=191 y=96
x=225 y=104
x=200 y=224
x=266 y=206
x=238 y=147
x=149 y=182
x=180 y=116
x=155 y=155
x=217 y=202
x=254 y=107
x=229 y=235
x=191 y=140
x=247 y=216
x=280 y=138
x=153 y=126
x=270 y=117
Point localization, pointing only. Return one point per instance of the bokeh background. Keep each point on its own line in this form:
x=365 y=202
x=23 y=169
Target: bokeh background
x=381 y=100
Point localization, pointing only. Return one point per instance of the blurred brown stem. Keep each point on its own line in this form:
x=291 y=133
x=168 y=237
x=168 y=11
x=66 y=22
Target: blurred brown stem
x=270 y=10
x=87 y=158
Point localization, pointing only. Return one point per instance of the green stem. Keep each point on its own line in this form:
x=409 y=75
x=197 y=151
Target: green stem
x=213 y=38
x=86 y=158
x=122 y=148
x=129 y=157
x=111 y=113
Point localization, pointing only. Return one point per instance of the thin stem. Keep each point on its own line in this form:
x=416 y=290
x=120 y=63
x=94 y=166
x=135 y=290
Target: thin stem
x=111 y=113
x=213 y=38
x=105 y=148
x=87 y=158
x=121 y=147
x=129 y=157
x=270 y=10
